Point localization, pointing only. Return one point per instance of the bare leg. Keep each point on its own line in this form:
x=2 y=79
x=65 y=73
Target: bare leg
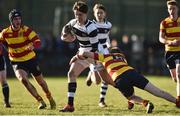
x=178 y=79
x=5 y=88
x=159 y=93
x=22 y=76
x=45 y=88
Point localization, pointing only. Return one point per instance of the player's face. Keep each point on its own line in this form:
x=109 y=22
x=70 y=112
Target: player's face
x=99 y=15
x=80 y=16
x=16 y=23
x=173 y=11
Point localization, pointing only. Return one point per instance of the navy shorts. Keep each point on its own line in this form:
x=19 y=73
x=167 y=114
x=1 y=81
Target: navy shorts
x=172 y=58
x=2 y=63
x=128 y=80
x=31 y=66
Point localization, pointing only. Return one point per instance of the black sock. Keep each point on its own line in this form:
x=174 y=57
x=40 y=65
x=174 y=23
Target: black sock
x=5 y=90
x=71 y=92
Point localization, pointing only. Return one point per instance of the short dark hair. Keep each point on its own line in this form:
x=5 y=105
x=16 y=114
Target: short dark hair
x=172 y=2
x=115 y=50
x=99 y=6
x=81 y=6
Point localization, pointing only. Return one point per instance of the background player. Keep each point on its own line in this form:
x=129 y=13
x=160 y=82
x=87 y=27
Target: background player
x=21 y=41
x=3 y=80
x=169 y=35
x=104 y=28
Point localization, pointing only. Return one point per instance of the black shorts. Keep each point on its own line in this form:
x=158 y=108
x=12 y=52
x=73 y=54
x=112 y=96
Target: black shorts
x=2 y=63
x=31 y=66
x=126 y=82
x=172 y=58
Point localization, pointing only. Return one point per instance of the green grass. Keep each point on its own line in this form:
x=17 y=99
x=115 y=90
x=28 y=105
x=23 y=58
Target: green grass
x=86 y=99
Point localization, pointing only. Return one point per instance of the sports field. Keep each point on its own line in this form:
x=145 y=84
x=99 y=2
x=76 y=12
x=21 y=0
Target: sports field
x=86 y=99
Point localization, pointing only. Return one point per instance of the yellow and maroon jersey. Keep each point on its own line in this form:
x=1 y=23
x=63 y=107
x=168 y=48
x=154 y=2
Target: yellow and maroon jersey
x=115 y=63
x=17 y=42
x=172 y=32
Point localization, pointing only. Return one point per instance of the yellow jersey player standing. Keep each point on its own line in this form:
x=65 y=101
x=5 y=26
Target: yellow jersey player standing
x=170 y=36
x=21 y=42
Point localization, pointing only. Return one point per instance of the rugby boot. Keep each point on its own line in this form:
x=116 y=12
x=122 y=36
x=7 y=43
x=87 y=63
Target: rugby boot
x=130 y=105
x=178 y=102
x=52 y=103
x=149 y=107
x=42 y=105
x=67 y=108
x=7 y=105
x=102 y=104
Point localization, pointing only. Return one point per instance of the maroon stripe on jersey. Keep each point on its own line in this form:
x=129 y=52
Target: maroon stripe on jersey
x=170 y=24
x=177 y=34
x=107 y=55
x=10 y=35
x=35 y=38
x=163 y=30
x=18 y=45
x=17 y=55
x=27 y=32
x=111 y=61
x=96 y=56
x=118 y=67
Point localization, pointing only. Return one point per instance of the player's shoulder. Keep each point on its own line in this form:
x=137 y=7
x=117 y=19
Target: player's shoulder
x=166 y=20
x=90 y=25
x=5 y=30
x=108 y=23
x=105 y=24
x=72 y=22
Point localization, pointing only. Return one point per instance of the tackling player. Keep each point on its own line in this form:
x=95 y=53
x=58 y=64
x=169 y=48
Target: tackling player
x=125 y=78
x=21 y=42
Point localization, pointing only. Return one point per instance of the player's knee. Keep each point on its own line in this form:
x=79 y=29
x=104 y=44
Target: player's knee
x=71 y=74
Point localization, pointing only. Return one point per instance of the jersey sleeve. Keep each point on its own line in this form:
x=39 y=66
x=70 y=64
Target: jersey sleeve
x=162 y=28
x=1 y=37
x=93 y=38
x=99 y=57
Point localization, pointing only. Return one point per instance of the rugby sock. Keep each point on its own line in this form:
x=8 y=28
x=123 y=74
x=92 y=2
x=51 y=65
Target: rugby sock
x=5 y=90
x=71 y=92
x=103 y=91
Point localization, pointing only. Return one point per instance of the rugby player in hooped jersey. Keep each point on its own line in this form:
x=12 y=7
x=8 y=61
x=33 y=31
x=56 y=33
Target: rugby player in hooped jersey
x=125 y=78
x=85 y=32
x=21 y=41
x=104 y=28
x=169 y=35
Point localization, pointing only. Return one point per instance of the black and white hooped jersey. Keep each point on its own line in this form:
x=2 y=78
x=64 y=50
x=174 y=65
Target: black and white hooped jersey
x=86 y=35
x=103 y=32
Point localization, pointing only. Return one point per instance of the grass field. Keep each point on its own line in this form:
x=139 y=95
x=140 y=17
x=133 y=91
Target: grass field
x=86 y=99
